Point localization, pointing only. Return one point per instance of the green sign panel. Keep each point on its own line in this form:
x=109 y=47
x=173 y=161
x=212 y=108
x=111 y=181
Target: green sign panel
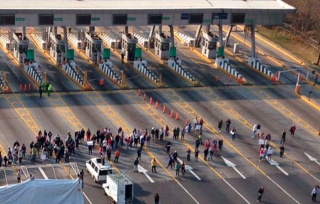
x=248 y=21
x=70 y=54
x=95 y=19
x=58 y=19
x=173 y=52
x=220 y=51
x=138 y=53
x=20 y=19
x=30 y=55
x=106 y=53
x=165 y=18
x=131 y=19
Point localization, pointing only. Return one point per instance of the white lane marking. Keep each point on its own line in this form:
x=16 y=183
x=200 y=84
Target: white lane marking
x=274 y=163
x=145 y=172
x=236 y=191
x=232 y=165
x=312 y=159
x=239 y=172
x=86 y=197
x=187 y=191
x=282 y=189
x=190 y=169
x=43 y=174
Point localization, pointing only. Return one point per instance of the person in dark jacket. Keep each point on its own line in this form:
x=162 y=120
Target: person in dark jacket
x=260 y=192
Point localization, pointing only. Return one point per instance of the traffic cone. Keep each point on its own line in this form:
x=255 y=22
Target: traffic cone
x=7 y=89
x=171 y=114
x=187 y=121
x=114 y=80
x=164 y=109
x=240 y=80
x=230 y=78
x=217 y=78
x=35 y=87
x=156 y=105
x=139 y=93
x=144 y=97
x=150 y=101
x=177 y=116
x=20 y=87
x=29 y=87
x=25 y=87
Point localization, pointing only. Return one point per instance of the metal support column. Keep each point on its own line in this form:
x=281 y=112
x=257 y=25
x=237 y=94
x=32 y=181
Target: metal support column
x=24 y=32
x=228 y=35
x=159 y=29
x=91 y=30
x=253 y=41
x=221 y=47
x=171 y=36
x=55 y=31
x=151 y=35
x=126 y=30
x=65 y=34
x=197 y=37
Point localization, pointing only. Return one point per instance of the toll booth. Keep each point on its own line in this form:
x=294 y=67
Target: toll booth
x=128 y=46
x=19 y=47
x=162 y=44
x=209 y=45
x=92 y=46
x=57 y=48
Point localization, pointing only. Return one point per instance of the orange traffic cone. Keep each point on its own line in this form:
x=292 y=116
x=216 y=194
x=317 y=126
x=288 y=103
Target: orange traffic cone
x=240 y=80
x=187 y=121
x=150 y=101
x=101 y=82
x=114 y=80
x=164 y=109
x=25 y=87
x=29 y=87
x=156 y=105
x=230 y=78
x=20 y=87
x=177 y=116
x=171 y=114
x=217 y=78
x=139 y=93
x=144 y=97
x=7 y=89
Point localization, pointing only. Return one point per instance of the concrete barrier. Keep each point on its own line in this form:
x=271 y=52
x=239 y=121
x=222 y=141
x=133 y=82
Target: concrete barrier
x=142 y=40
x=109 y=41
x=71 y=69
x=107 y=68
x=256 y=64
x=33 y=71
x=186 y=40
x=177 y=67
x=225 y=65
x=142 y=67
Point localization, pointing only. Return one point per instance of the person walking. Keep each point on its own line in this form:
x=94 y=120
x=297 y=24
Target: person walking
x=281 y=150
x=168 y=145
x=19 y=176
x=220 y=123
x=116 y=156
x=0 y=159
x=154 y=165
x=228 y=123
x=135 y=165
x=183 y=168
x=156 y=199
x=196 y=154
x=292 y=130
x=139 y=153
x=170 y=162
x=283 y=137
x=269 y=153
x=211 y=151
x=260 y=192
x=233 y=133
x=188 y=154
x=177 y=168
x=314 y=193
x=40 y=91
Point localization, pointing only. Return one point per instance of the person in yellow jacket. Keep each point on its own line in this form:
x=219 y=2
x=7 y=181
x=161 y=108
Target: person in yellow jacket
x=49 y=89
x=154 y=165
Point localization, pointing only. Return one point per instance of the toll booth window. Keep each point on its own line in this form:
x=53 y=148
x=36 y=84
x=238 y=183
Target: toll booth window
x=212 y=46
x=155 y=19
x=7 y=19
x=120 y=19
x=195 y=18
x=83 y=19
x=96 y=48
x=46 y=19
x=237 y=18
x=165 y=47
x=23 y=49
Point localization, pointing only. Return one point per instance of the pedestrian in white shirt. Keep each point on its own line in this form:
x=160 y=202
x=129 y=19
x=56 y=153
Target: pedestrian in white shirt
x=269 y=153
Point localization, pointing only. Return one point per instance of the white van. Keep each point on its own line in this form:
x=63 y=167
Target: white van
x=98 y=170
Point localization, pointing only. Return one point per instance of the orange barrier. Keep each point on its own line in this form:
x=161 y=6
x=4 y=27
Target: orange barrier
x=301 y=77
x=156 y=105
x=164 y=109
x=29 y=87
x=114 y=81
x=25 y=87
x=171 y=114
x=273 y=79
x=150 y=101
x=7 y=89
x=187 y=121
x=144 y=97
x=101 y=82
x=240 y=80
x=298 y=89
x=20 y=87
x=217 y=78
x=177 y=116
x=139 y=93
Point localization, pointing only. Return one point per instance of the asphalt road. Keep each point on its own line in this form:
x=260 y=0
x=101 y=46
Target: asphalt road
x=276 y=107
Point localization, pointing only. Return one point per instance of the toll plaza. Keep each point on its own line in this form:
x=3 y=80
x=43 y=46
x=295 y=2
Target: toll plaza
x=128 y=46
